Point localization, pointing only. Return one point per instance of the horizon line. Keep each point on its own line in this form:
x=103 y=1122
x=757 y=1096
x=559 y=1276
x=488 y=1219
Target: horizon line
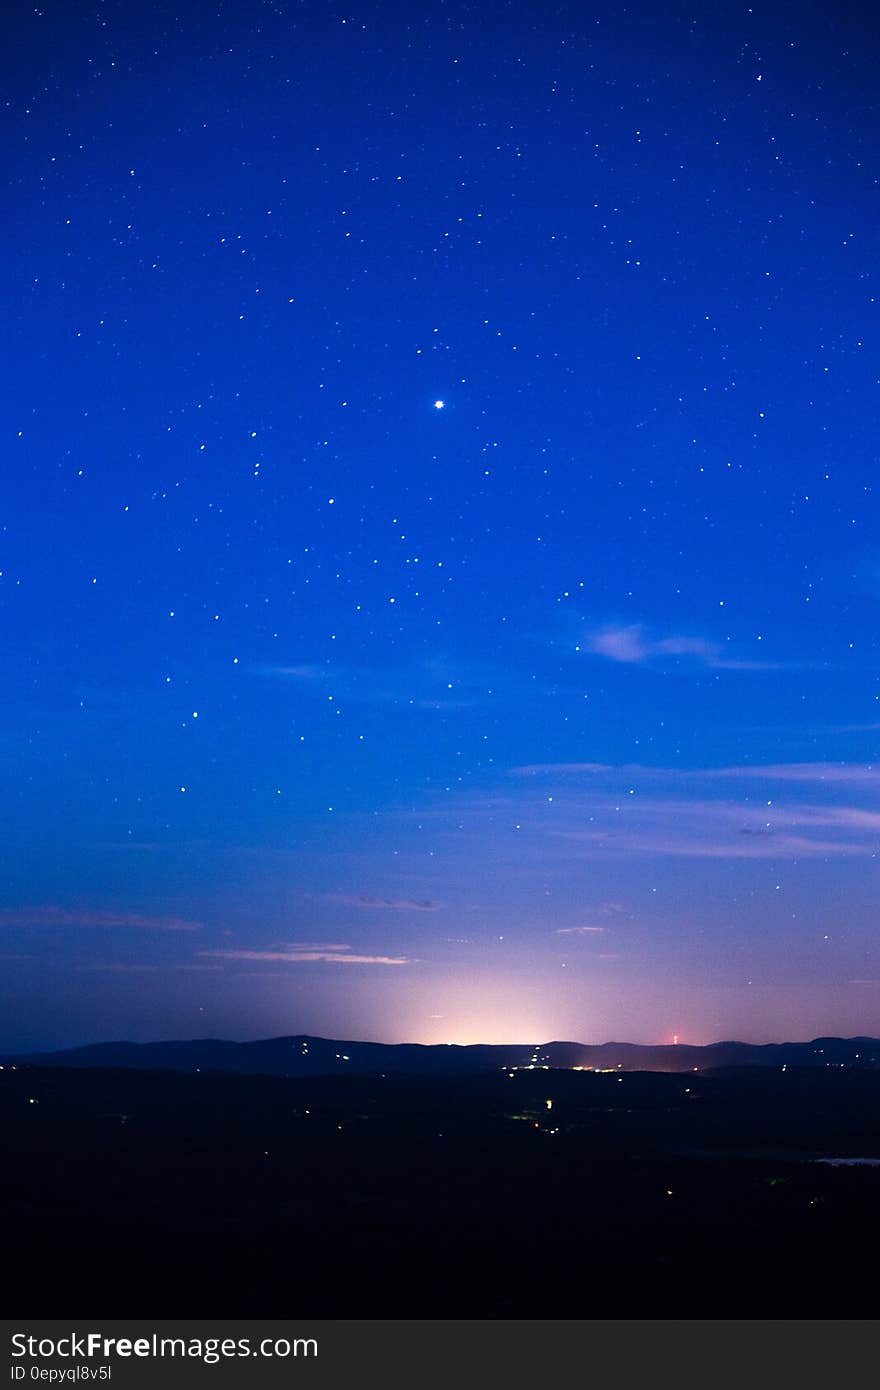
x=371 y=1042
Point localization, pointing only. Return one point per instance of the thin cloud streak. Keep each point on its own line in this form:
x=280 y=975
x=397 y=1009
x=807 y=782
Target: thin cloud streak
x=806 y=772
x=332 y=956
x=119 y=968
x=70 y=917
x=771 y=847
x=828 y=772
x=133 y=968
x=362 y=900
x=666 y=811
x=302 y=673
x=630 y=646
x=725 y=830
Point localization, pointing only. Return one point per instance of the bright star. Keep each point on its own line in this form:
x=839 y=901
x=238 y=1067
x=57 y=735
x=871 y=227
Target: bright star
x=438 y=405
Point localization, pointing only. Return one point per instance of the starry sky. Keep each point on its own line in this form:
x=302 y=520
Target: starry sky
x=440 y=569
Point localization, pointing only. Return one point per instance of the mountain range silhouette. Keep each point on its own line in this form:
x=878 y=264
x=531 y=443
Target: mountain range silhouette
x=302 y=1055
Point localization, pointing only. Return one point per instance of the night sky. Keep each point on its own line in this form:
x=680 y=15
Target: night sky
x=440 y=566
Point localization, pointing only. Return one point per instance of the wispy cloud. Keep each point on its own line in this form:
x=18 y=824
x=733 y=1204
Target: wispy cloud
x=717 y=829
x=362 y=900
x=309 y=952
x=806 y=772
x=765 y=847
x=827 y=772
x=134 y=968
x=300 y=673
x=119 y=968
x=437 y=685
x=313 y=946
x=577 y=931
x=760 y=811
x=630 y=645
x=566 y=769
x=73 y=917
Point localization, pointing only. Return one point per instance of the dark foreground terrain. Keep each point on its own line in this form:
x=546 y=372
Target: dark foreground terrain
x=148 y=1194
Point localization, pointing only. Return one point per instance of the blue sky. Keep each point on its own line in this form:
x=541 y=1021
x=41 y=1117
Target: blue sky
x=439 y=560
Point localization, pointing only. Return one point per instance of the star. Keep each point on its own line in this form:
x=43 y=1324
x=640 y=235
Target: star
x=438 y=405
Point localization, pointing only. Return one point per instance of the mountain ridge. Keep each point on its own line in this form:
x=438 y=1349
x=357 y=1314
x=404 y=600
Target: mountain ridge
x=302 y=1054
